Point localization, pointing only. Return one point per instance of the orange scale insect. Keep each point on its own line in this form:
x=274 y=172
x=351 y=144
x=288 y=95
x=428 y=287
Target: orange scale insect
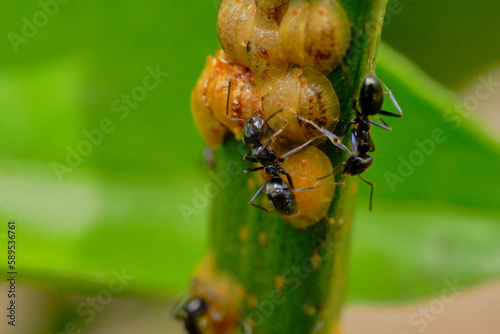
x=243 y=99
x=265 y=57
x=214 y=303
x=315 y=34
x=234 y=25
x=318 y=101
x=284 y=99
x=209 y=100
x=304 y=93
x=207 y=123
x=312 y=197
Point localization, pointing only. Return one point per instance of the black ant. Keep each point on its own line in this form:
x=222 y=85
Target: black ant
x=190 y=312
x=280 y=195
x=369 y=103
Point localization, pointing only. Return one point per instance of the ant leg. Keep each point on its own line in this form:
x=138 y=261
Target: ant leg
x=346 y=128
x=227 y=102
x=393 y=99
x=295 y=150
x=253 y=169
x=261 y=189
x=249 y=157
x=371 y=192
x=384 y=126
x=288 y=177
x=372 y=144
x=333 y=138
x=333 y=172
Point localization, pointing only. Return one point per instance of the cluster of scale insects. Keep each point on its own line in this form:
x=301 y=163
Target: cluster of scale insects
x=279 y=52
x=280 y=194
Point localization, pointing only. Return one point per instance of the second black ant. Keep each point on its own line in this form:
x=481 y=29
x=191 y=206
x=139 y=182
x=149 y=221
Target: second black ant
x=369 y=103
x=190 y=312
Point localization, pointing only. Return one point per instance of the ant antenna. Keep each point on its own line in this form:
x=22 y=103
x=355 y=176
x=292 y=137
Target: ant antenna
x=175 y=309
x=316 y=186
x=330 y=174
x=337 y=141
x=371 y=192
x=372 y=65
x=227 y=102
x=273 y=114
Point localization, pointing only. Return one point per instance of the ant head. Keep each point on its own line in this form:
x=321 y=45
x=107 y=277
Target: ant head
x=371 y=96
x=253 y=130
x=195 y=308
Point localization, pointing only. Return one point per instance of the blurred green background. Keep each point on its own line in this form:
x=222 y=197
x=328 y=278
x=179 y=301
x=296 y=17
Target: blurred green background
x=118 y=208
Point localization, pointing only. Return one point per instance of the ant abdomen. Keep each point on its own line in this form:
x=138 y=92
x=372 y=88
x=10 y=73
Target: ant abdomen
x=281 y=197
x=371 y=95
x=356 y=165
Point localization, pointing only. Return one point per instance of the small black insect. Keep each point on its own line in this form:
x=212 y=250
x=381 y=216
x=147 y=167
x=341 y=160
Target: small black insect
x=279 y=193
x=369 y=103
x=190 y=313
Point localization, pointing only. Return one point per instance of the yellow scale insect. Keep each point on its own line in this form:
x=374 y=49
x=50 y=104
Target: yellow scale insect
x=268 y=87
x=275 y=57
x=304 y=158
x=208 y=100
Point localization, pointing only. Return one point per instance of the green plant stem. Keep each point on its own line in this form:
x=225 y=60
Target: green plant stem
x=262 y=251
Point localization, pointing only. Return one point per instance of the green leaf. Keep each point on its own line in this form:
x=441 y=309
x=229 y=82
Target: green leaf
x=72 y=235
x=422 y=30
x=405 y=251
x=116 y=211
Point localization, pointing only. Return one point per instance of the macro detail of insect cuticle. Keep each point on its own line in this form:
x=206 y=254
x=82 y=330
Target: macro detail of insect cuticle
x=268 y=88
